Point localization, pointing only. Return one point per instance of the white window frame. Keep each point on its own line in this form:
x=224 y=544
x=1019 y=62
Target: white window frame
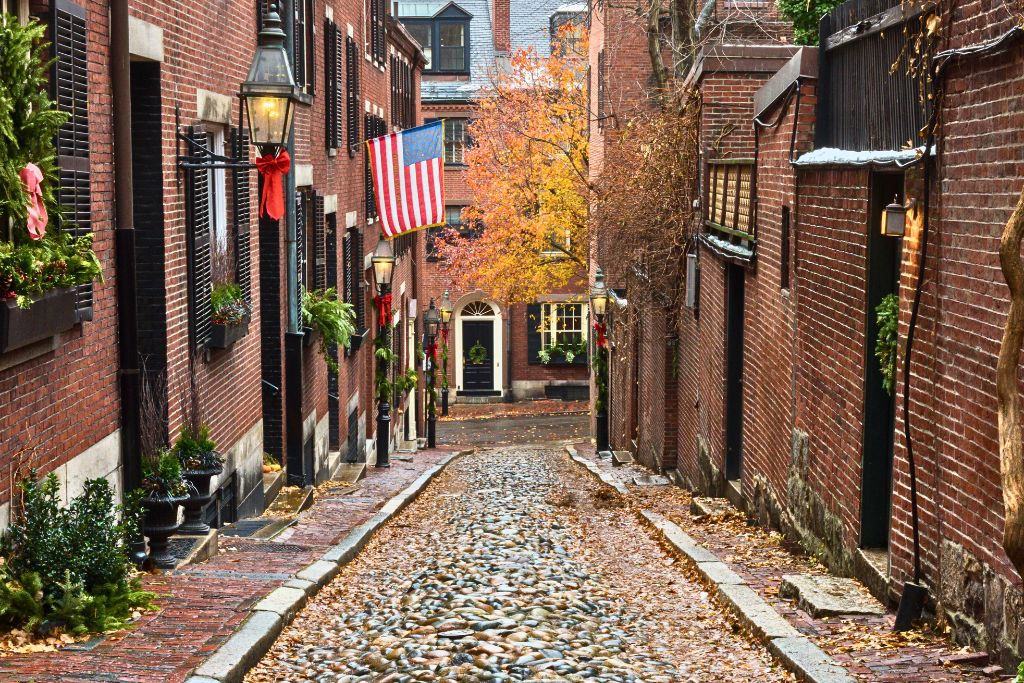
x=550 y=316
x=218 y=191
x=16 y=7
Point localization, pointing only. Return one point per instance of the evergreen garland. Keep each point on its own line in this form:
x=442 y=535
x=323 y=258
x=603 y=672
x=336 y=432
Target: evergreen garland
x=29 y=120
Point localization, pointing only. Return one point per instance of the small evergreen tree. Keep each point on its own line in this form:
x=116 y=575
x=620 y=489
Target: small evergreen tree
x=806 y=17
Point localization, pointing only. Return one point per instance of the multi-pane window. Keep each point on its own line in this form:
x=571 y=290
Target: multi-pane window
x=561 y=324
x=601 y=113
x=222 y=260
x=566 y=32
x=456 y=138
x=729 y=206
x=444 y=38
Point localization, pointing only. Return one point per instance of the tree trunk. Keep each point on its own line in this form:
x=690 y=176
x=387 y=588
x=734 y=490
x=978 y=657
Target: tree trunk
x=659 y=72
x=1011 y=444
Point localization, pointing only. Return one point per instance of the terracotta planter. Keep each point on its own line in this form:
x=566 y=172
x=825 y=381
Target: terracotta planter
x=159 y=524
x=197 y=501
x=224 y=336
x=49 y=314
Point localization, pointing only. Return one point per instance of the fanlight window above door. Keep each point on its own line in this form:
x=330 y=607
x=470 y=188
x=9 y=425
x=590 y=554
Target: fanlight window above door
x=477 y=309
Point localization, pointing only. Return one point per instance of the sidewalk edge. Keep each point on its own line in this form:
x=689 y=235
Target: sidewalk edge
x=247 y=646
x=796 y=652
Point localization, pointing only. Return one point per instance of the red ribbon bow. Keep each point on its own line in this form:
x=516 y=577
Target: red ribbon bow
x=601 y=329
x=37 y=218
x=384 y=309
x=272 y=167
x=444 y=334
x=432 y=352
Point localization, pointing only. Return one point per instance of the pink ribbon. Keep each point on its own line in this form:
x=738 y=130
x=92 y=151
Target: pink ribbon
x=37 y=218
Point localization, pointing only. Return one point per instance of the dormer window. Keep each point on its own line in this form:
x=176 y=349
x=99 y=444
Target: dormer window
x=444 y=36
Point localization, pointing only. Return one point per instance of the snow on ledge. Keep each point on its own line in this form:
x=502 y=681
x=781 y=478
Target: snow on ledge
x=830 y=156
x=727 y=246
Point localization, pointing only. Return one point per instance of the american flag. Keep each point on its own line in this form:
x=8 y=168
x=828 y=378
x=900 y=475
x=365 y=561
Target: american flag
x=408 y=178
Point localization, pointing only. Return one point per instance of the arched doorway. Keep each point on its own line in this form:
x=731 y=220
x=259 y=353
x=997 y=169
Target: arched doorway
x=478 y=349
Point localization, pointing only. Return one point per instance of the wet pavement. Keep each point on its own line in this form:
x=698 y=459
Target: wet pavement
x=514 y=565
x=506 y=430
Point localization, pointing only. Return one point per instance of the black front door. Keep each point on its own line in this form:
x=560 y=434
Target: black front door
x=477 y=356
x=734 y=372
x=879 y=404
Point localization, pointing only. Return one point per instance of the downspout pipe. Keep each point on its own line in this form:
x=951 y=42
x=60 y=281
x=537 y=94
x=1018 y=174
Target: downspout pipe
x=129 y=378
x=124 y=231
x=293 y=389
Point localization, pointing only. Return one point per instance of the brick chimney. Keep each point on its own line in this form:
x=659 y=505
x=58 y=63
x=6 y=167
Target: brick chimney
x=501 y=25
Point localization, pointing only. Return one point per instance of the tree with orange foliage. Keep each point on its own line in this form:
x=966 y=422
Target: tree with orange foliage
x=528 y=173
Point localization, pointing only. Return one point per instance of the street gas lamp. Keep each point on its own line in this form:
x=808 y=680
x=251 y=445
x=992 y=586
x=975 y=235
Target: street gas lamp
x=383 y=261
x=446 y=316
x=599 y=297
x=432 y=322
x=270 y=91
x=894 y=219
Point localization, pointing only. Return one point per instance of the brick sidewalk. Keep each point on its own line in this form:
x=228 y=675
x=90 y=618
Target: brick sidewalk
x=866 y=646
x=203 y=604
x=476 y=411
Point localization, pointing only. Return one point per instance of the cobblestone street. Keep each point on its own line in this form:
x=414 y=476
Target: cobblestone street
x=514 y=565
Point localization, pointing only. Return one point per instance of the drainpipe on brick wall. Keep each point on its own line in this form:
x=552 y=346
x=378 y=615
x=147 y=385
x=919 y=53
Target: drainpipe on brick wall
x=293 y=336
x=124 y=267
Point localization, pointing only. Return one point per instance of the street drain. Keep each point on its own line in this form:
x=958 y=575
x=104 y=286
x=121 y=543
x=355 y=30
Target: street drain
x=246 y=545
x=245 y=527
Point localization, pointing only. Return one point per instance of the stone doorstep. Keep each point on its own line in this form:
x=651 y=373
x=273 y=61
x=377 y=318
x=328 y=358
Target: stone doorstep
x=829 y=596
x=203 y=550
x=622 y=458
x=596 y=471
x=245 y=648
x=351 y=472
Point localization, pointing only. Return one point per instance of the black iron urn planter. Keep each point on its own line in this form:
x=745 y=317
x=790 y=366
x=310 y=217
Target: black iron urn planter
x=224 y=336
x=159 y=524
x=197 y=501
x=50 y=313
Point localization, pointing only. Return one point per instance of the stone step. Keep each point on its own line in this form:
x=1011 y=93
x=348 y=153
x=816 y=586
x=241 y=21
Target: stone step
x=272 y=483
x=351 y=472
x=622 y=458
x=829 y=596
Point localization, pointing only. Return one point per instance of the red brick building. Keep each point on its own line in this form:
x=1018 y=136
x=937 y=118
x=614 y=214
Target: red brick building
x=196 y=225
x=769 y=390
x=467 y=43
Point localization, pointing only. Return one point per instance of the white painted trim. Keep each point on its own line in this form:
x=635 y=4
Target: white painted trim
x=303 y=175
x=213 y=107
x=330 y=204
x=499 y=347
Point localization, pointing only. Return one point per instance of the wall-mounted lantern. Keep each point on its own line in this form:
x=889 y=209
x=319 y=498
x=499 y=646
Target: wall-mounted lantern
x=894 y=219
x=270 y=91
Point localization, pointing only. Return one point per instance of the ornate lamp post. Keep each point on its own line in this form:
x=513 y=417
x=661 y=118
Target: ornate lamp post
x=599 y=306
x=446 y=317
x=383 y=261
x=270 y=91
x=432 y=321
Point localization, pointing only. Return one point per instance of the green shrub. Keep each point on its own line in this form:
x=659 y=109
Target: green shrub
x=228 y=304
x=161 y=476
x=886 y=345
x=70 y=564
x=197 y=451
x=806 y=17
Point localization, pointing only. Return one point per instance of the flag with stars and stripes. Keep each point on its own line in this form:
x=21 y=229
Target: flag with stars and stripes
x=408 y=178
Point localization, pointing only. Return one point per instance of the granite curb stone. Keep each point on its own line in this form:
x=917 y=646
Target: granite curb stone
x=799 y=655
x=230 y=662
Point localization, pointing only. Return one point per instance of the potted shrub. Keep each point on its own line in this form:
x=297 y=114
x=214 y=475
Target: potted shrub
x=231 y=315
x=164 y=489
x=332 y=319
x=39 y=264
x=200 y=462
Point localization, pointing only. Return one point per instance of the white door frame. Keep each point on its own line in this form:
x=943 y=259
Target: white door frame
x=496 y=322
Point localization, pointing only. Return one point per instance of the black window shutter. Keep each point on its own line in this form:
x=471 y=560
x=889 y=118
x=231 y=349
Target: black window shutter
x=359 y=301
x=70 y=85
x=299 y=41
x=533 y=337
x=332 y=82
x=319 y=242
x=197 y=197
x=300 y=238
x=242 y=214
x=352 y=93
x=370 y=124
x=346 y=259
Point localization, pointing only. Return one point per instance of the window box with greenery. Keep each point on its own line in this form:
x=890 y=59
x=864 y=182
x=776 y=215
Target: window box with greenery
x=231 y=315
x=41 y=265
x=330 y=318
x=555 y=333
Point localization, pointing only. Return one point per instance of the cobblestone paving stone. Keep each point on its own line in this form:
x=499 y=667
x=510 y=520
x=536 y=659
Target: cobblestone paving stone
x=865 y=645
x=544 y=406
x=512 y=566
x=202 y=605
